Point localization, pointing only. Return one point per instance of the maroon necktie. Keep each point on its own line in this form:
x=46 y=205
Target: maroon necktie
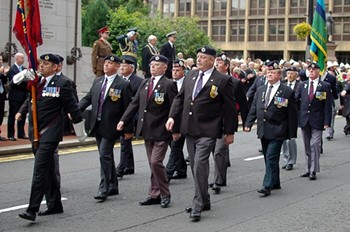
x=150 y=88
x=311 y=92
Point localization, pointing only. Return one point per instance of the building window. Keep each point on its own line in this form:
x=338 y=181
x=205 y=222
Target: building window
x=238 y=8
x=203 y=25
x=220 y=7
x=341 y=6
x=237 y=30
x=276 y=30
x=168 y=8
x=256 y=30
x=298 y=7
x=292 y=24
x=202 y=8
x=277 y=7
x=342 y=29
x=154 y=7
x=257 y=7
x=219 y=30
x=343 y=57
x=185 y=8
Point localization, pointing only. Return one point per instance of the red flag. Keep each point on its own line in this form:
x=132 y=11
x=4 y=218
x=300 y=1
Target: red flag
x=27 y=28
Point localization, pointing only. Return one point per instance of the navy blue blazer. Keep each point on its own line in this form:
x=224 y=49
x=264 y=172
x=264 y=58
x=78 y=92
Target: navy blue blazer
x=17 y=92
x=318 y=112
x=277 y=121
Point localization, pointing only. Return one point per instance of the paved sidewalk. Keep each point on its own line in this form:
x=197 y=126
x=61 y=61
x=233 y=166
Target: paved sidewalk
x=24 y=145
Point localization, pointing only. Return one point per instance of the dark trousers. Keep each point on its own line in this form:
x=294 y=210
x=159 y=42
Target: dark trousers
x=108 y=174
x=126 y=156
x=271 y=151
x=44 y=179
x=156 y=151
x=14 y=107
x=176 y=162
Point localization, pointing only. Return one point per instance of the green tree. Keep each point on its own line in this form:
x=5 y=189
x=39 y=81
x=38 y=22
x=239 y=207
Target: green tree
x=189 y=36
x=95 y=16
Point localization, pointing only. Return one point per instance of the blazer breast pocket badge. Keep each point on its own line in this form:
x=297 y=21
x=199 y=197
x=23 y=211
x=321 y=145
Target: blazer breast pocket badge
x=281 y=102
x=159 y=98
x=213 y=91
x=321 y=95
x=114 y=94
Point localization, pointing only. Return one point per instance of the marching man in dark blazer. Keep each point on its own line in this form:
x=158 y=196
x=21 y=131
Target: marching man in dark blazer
x=169 y=51
x=315 y=115
x=126 y=165
x=109 y=97
x=152 y=102
x=55 y=95
x=289 y=147
x=274 y=106
x=205 y=108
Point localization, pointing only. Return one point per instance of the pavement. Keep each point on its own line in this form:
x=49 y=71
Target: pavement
x=24 y=145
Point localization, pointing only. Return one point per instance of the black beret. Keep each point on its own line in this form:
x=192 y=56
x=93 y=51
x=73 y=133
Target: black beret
x=60 y=57
x=159 y=58
x=292 y=68
x=50 y=57
x=273 y=65
x=126 y=60
x=223 y=57
x=207 y=50
x=313 y=65
x=113 y=58
x=179 y=63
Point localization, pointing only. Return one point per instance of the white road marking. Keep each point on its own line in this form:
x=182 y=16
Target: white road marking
x=23 y=206
x=254 y=158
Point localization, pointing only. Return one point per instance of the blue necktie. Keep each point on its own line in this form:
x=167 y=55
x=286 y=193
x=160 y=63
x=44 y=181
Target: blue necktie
x=199 y=85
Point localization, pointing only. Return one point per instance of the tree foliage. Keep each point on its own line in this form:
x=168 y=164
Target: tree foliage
x=95 y=16
x=189 y=36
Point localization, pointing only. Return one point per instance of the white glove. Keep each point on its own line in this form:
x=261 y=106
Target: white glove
x=80 y=130
x=18 y=78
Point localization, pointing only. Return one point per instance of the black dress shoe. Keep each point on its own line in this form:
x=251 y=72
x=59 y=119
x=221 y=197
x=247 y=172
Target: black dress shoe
x=264 y=190
x=101 y=196
x=27 y=215
x=276 y=187
x=12 y=139
x=284 y=166
x=23 y=137
x=216 y=188
x=312 y=176
x=289 y=167
x=164 y=202
x=220 y=185
x=119 y=174
x=50 y=211
x=195 y=215
x=179 y=176
x=3 y=138
x=306 y=174
x=129 y=171
x=206 y=207
x=113 y=192
x=150 y=201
